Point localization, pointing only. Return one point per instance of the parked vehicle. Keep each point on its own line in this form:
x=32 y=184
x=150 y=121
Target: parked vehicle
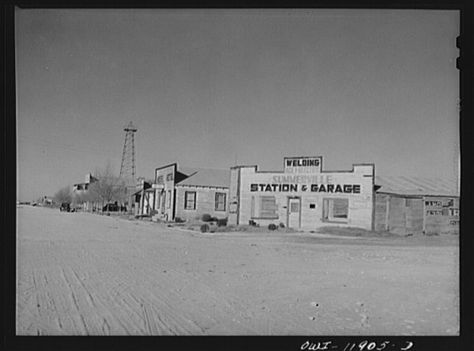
x=65 y=206
x=111 y=207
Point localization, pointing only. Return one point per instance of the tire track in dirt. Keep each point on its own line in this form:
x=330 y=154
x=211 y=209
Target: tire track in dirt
x=129 y=316
x=137 y=306
x=158 y=306
x=228 y=303
x=41 y=309
x=166 y=301
x=75 y=304
x=249 y=318
x=101 y=311
x=123 y=293
x=88 y=294
x=136 y=279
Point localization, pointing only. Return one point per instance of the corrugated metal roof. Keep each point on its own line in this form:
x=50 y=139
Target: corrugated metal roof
x=205 y=177
x=404 y=185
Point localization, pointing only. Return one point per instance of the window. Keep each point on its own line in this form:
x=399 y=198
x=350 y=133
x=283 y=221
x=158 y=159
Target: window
x=294 y=207
x=168 y=199
x=268 y=207
x=220 y=202
x=158 y=200
x=163 y=200
x=335 y=210
x=190 y=200
x=264 y=207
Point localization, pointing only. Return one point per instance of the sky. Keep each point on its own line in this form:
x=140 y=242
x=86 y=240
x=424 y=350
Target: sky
x=216 y=88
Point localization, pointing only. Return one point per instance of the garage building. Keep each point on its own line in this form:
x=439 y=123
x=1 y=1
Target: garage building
x=302 y=195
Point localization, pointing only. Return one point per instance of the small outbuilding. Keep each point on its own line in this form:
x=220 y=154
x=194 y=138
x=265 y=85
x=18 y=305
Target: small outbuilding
x=416 y=205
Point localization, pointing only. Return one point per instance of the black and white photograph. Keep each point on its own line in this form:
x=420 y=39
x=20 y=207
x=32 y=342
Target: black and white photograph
x=238 y=172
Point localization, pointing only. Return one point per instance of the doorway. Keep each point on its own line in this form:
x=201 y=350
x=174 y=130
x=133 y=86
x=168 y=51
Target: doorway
x=294 y=212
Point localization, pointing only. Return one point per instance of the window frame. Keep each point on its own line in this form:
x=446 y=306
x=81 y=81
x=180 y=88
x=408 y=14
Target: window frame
x=331 y=219
x=216 y=202
x=260 y=199
x=168 y=200
x=186 y=200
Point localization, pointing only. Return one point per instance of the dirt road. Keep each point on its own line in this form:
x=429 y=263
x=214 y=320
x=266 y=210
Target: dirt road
x=84 y=274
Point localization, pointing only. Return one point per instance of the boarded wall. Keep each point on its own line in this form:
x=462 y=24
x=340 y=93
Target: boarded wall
x=414 y=215
x=398 y=214
x=381 y=208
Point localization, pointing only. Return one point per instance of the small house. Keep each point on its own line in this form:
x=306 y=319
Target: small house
x=181 y=193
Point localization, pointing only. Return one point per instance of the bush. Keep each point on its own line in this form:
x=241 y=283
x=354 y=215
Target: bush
x=204 y=228
x=282 y=225
x=179 y=220
x=206 y=217
x=272 y=226
x=222 y=222
x=252 y=223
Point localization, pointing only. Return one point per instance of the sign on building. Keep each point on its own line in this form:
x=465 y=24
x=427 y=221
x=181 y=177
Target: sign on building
x=302 y=164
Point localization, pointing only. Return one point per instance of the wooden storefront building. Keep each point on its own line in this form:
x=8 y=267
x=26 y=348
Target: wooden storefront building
x=415 y=205
x=181 y=193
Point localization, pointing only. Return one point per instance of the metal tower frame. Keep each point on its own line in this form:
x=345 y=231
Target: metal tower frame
x=127 y=168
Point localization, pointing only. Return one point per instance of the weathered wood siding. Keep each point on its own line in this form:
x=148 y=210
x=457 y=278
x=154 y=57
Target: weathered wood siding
x=414 y=215
x=381 y=215
x=441 y=215
x=397 y=215
x=164 y=192
x=205 y=202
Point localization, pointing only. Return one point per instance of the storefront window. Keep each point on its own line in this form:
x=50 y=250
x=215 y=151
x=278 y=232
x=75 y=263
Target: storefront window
x=220 y=202
x=190 y=200
x=335 y=210
x=264 y=207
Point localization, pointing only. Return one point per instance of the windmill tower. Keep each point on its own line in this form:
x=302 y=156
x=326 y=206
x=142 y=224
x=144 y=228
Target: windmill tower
x=127 y=168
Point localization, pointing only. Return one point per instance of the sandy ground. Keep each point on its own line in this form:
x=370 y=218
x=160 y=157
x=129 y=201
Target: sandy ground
x=84 y=274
